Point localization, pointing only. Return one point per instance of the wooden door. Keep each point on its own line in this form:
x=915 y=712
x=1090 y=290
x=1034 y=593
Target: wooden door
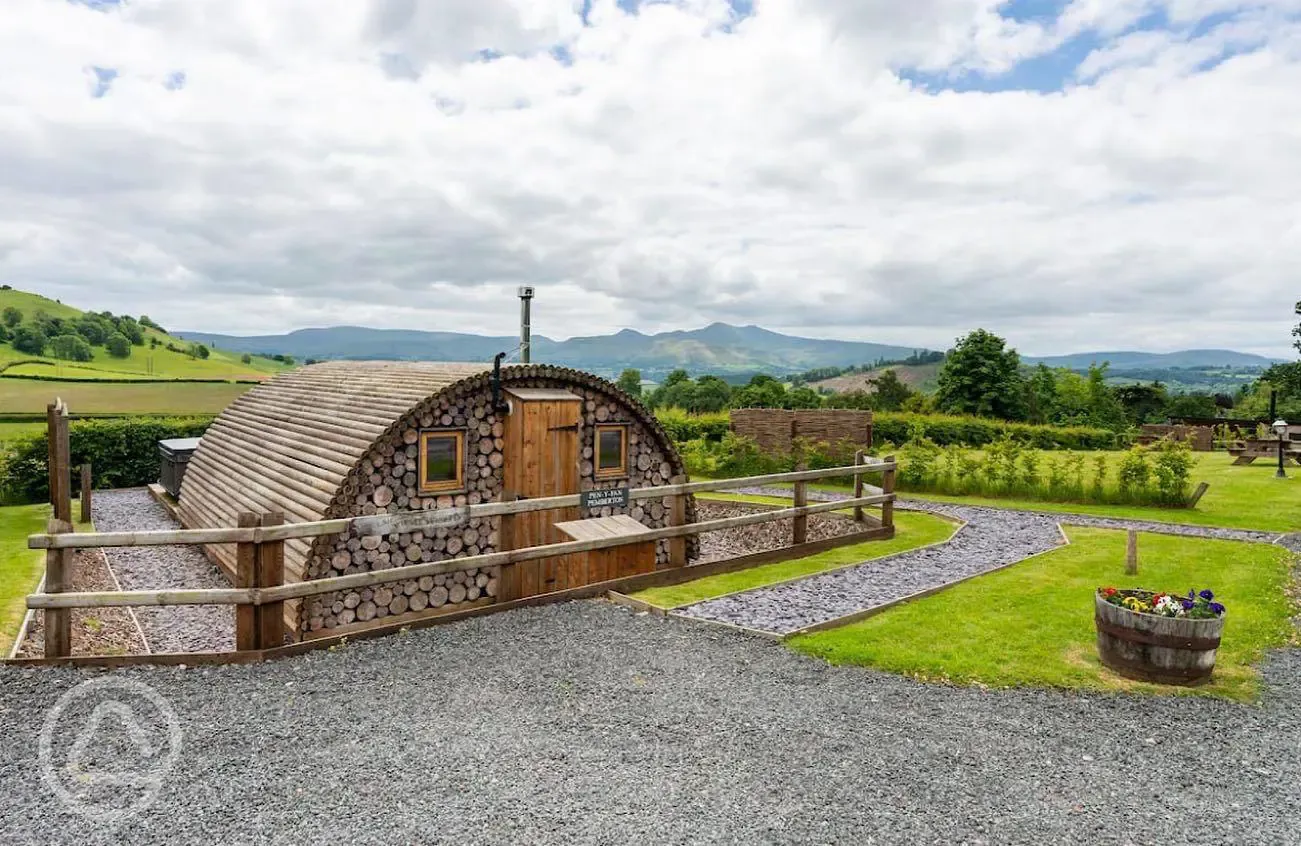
x=541 y=460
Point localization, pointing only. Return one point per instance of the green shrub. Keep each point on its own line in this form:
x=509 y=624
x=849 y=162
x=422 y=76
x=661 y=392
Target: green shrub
x=945 y=429
x=123 y=452
x=683 y=426
x=71 y=348
x=118 y=345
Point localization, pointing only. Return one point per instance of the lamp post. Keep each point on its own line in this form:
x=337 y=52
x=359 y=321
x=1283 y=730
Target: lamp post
x=1280 y=429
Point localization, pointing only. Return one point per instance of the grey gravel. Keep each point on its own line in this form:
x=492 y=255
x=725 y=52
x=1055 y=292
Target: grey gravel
x=176 y=628
x=585 y=724
x=992 y=538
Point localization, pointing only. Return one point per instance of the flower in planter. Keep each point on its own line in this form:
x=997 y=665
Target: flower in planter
x=1196 y=605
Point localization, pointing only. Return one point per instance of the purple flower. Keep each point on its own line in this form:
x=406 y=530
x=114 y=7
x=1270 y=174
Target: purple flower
x=1188 y=604
x=1217 y=608
x=1207 y=595
x=1192 y=593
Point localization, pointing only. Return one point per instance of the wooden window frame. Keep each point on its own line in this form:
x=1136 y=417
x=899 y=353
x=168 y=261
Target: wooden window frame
x=620 y=472
x=453 y=486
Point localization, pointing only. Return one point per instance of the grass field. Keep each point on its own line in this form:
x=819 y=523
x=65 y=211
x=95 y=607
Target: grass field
x=911 y=531
x=1247 y=497
x=20 y=567
x=144 y=362
x=1032 y=624
x=9 y=431
x=28 y=397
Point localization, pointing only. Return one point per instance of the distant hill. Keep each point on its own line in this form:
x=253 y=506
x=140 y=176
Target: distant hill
x=718 y=348
x=1128 y=360
x=145 y=362
x=919 y=377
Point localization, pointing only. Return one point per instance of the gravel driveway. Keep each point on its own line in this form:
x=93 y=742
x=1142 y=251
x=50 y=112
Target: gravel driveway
x=583 y=723
x=179 y=628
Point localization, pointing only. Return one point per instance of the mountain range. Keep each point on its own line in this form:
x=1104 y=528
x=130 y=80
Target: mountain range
x=718 y=348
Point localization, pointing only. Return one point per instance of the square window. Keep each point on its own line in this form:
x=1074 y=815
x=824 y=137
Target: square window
x=442 y=461
x=611 y=452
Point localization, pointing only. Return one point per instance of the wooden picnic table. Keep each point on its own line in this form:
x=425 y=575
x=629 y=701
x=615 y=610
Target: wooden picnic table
x=1245 y=452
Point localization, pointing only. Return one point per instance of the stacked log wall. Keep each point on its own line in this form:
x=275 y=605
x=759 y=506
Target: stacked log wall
x=386 y=480
x=775 y=429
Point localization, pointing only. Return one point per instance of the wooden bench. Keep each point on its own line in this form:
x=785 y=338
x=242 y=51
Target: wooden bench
x=1245 y=452
x=630 y=559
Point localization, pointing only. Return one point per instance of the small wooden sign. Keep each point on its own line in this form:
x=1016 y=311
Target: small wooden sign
x=412 y=521
x=608 y=498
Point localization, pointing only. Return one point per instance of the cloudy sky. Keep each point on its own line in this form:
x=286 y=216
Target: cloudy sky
x=1074 y=174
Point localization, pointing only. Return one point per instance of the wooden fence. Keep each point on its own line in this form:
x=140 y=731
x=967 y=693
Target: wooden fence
x=260 y=591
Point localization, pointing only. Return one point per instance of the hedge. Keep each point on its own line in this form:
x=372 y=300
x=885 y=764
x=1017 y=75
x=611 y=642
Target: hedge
x=945 y=430
x=894 y=428
x=123 y=452
x=683 y=426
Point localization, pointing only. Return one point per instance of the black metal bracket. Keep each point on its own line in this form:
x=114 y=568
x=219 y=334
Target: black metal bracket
x=499 y=404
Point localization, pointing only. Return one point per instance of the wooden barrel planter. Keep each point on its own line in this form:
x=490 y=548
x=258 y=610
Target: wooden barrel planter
x=1152 y=648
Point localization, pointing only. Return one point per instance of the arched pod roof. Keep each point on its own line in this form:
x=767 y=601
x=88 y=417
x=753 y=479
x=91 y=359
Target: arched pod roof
x=290 y=444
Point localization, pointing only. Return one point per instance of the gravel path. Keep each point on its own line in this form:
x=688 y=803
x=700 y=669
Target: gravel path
x=991 y=538
x=173 y=629
x=585 y=724
x=746 y=540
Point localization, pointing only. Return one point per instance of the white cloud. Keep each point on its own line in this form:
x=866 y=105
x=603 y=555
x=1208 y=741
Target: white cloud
x=340 y=161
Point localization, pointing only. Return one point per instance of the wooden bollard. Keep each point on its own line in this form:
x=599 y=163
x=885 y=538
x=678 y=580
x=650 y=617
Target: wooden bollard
x=508 y=585
x=86 y=486
x=678 y=517
x=271 y=573
x=246 y=560
x=800 y=525
x=58 y=577
x=858 y=486
x=1131 y=553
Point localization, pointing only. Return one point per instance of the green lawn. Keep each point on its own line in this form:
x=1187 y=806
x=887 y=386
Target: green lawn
x=9 y=431
x=1247 y=497
x=20 y=567
x=30 y=397
x=1032 y=624
x=911 y=531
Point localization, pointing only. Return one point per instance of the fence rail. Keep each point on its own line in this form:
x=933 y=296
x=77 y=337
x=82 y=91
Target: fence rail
x=260 y=592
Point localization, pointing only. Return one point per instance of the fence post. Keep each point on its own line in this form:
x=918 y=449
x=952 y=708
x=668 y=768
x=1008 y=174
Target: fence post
x=86 y=485
x=58 y=621
x=246 y=562
x=800 y=525
x=271 y=573
x=52 y=447
x=887 y=487
x=678 y=517
x=858 y=486
x=508 y=587
x=1131 y=553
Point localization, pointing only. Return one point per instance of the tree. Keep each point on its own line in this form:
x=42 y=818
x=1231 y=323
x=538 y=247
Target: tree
x=677 y=376
x=30 y=338
x=891 y=393
x=1143 y=403
x=246 y=358
x=981 y=376
x=71 y=348
x=12 y=317
x=763 y=391
x=118 y=345
x=1105 y=410
x=149 y=324
x=1041 y=395
x=630 y=382
x=198 y=351
x=802 y=397
x=127 y=326
x=712 y=394
x=94 y=329
x=1192 y=405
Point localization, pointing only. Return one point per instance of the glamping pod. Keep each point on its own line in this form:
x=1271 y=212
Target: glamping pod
x=347 y=439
